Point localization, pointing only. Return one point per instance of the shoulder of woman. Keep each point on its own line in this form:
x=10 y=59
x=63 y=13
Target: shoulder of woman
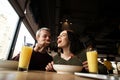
x=82 y=56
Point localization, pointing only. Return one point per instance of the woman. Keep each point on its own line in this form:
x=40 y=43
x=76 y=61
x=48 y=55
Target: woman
x=73 y=53
x=70 y=44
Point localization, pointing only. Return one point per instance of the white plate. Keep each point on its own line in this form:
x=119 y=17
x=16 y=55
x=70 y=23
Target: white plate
x=97 y=76
x=8 y=64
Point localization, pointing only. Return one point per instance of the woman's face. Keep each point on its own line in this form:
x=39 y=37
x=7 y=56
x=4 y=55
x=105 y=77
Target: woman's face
x=63 y=40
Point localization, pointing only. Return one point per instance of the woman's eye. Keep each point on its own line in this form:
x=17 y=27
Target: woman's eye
x=63 y=35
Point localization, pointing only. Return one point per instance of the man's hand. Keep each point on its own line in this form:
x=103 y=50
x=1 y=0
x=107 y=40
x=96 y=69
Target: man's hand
x=41 y=45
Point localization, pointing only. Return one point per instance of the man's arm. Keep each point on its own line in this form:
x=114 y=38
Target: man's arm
x=16 y=58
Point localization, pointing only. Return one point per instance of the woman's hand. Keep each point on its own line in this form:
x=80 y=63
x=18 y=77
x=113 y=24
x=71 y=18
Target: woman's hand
x=85 y=65
x=49 y=67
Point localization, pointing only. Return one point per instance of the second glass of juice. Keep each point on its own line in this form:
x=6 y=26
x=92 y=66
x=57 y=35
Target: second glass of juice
x=92 y=61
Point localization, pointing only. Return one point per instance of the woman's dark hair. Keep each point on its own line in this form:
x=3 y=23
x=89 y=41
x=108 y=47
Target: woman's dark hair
x=76 y=45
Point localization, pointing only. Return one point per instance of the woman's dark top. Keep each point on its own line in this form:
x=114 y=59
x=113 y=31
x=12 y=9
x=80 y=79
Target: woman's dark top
x=72 y=61
x=77 y=60
x=38 y=60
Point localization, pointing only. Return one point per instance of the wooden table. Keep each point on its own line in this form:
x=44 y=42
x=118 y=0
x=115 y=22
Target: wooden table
x=43 y=75
x=38 y=75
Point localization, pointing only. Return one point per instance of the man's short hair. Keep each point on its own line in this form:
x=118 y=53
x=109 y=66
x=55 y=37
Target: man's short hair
x=39 y=30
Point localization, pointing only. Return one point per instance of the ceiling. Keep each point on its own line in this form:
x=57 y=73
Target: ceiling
x=96 y=20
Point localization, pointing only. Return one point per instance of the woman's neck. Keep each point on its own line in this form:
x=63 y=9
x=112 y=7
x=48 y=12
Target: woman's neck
x=67 y=54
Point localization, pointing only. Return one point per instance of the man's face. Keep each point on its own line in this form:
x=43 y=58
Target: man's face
x=45 y=37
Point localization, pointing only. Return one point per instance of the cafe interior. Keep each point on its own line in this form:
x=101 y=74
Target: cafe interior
x=96 y=21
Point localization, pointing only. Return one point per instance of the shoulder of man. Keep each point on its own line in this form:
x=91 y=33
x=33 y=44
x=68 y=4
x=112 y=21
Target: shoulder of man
x=16 y=58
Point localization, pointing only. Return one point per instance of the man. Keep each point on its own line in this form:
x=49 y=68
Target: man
x=40 y=58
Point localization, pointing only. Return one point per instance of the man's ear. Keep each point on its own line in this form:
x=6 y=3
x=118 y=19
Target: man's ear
x=37 y=38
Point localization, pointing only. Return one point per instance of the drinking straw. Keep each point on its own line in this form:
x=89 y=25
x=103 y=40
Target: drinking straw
x=24 y=40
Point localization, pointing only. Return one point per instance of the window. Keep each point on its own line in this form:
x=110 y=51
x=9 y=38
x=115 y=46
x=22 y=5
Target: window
x=8 y=23
x=8 y=26
x=23 y=36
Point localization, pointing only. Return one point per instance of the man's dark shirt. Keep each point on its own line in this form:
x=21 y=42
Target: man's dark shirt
x=38 y=60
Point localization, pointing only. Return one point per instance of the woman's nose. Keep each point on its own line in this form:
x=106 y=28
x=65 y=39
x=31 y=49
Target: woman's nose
x=57 y=37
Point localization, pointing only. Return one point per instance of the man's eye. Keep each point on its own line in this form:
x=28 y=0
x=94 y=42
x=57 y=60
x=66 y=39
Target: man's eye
x=44 y=36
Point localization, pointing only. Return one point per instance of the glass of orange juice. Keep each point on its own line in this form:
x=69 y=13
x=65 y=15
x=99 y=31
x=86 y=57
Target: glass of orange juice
x=25 y=57
x=92 y=61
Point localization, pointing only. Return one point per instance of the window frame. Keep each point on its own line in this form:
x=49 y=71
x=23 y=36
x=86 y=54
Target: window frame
x=22 y=18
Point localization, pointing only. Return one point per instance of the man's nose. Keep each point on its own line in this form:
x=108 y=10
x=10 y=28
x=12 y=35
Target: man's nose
x=48 y=38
